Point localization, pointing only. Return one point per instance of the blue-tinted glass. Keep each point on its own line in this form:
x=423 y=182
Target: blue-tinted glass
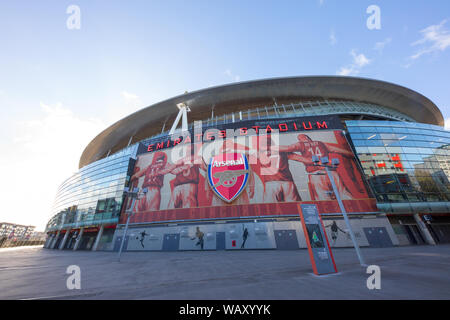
x=369 y=136
x=362 y=149
x=407 y=143
x=354 y=129
x=99 y=180
x=391 y=143
x=416 y=172
x=413 y=157
x=374 y=143
x=384 y=129
x=359 y=143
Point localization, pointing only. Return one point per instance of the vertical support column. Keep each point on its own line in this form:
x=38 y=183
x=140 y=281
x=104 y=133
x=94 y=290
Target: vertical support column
x=129 y=141
x=97 y=240
x=182 y=115
x=184 y=119
x=424 y=230
x=77 y=243
x=48 y=241
x=63 y=242
x=175 y=123
x=52 y=246
x=212 y=111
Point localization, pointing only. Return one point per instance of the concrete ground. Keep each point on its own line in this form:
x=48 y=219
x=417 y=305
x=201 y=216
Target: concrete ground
x=416 y=272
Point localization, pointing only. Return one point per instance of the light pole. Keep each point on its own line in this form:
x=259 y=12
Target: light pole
x=134 y=194
x=324 y=163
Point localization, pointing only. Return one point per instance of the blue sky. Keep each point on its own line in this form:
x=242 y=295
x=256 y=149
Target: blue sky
x=59 y=87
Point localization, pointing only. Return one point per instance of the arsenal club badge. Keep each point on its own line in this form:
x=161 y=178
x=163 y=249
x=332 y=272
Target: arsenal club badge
x=228 y=175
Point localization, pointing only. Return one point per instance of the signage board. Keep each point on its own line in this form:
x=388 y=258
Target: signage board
x=241 y=129
x=319 y=249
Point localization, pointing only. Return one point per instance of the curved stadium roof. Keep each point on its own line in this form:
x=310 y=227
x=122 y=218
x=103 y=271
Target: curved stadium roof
x=238 y=96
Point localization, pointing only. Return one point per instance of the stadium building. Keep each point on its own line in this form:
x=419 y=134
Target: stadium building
x=235 y=175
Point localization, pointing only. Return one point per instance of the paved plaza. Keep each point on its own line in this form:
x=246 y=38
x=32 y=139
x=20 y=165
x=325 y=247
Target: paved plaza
x=415 y=272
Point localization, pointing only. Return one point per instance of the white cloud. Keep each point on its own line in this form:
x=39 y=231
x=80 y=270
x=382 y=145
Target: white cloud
x=447 y=123
x=359 y=61
x=129 y=104
x=434 y=38
x=345 y=71
x=129 y=96
x=131 y=99
x=333 y=39
x=42 y=153
x=234 y=77
x=379 y=46
x=321 y=2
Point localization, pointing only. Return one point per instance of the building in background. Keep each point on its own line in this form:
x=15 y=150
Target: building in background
x=393 y=173
x=14 y=235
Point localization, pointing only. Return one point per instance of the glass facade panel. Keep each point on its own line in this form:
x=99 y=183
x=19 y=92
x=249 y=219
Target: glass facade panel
x=93 y=196
x=403 y=161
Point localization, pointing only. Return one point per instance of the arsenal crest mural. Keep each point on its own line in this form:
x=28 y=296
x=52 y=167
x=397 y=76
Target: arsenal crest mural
x=228 y=175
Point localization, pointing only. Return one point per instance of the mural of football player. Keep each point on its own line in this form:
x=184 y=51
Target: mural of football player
x=205 y=192
x=319 y=184
x=134 y=183
x=185 y=184
x=273 y=169
x=153 y=181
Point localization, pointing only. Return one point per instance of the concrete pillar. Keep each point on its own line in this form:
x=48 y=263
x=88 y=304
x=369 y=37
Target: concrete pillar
x=52 y=246
x=48 y=241
x=63 y=242
x=97 y=240
x=424 y=230
x=77 y=242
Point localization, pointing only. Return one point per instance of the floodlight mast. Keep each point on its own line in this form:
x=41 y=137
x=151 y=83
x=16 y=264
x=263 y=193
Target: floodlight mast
x=182 y=114
x=324 y=162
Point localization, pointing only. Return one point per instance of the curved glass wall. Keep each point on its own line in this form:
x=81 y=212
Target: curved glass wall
x=93 y=196
x=404 y=163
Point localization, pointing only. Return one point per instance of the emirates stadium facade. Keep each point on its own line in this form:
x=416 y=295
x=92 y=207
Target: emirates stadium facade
x=234 y=176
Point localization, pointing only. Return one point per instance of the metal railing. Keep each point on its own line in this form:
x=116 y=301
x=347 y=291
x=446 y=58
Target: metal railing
x=300 y=109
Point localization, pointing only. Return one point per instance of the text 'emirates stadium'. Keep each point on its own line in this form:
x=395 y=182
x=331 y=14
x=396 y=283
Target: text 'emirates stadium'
x=236 y=175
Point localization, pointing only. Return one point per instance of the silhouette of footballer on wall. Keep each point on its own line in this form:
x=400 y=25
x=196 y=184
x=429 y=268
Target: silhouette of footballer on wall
x=199 y=235
x=335 y=231
x=244 y=237
x=141 y=240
